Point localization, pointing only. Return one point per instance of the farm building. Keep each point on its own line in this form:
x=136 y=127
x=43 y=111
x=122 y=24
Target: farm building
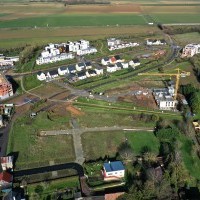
x=190 y=50
x=113 y=170
x=5 y=88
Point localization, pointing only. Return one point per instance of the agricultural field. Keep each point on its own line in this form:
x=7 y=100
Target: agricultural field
x=110 y=142
x=35 y=151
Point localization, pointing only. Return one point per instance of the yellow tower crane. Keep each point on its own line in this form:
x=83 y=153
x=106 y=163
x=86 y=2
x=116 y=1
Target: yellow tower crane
x=179 y=74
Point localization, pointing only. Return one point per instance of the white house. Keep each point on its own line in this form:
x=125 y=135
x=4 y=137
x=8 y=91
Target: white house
x=125 y=65
x=111 y=68
x=113 y=41
x=52 y=74
x=80 y=66
x=41 y=76
x=63 y=70
x=119 y=66
x=72 y=69
x=134 y=62
x=91 y=73
x=88 y=65
x=99 y=70
x=155 y=42
x=190 y=50
x=81 y=75
x=113 y=170
x=105 y=61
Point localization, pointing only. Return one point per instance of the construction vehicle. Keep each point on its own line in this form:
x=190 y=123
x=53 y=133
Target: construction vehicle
x=178 y=75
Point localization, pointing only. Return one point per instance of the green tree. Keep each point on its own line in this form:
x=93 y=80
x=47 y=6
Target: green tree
x=195 y=102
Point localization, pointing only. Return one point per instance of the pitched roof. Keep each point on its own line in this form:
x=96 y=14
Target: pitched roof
x=91 y=71
x=53 y=72
x=71 y=68
x=106 y=59
x=81 y=74
x=119 y=64
x=5 y=176
x=81 y=65
x=114 y=166
x=117 y=57
x=135 y=60
x=113 y=196
x=40 y=73
x=88 y=64
x=113 y=59
x=63 y=68
x=111 y=66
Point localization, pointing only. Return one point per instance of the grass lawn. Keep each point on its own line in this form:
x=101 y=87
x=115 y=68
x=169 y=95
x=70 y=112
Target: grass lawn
x=107 y=143
x=177 y=17
x=35 y=151
x=75 y=20
x=186 y=38
x=54 y=186
x=190 y=158
x=141 y=139
x=31 y=82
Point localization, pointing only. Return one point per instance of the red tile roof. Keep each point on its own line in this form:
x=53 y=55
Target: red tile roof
x=113 y=196
x=5 y=176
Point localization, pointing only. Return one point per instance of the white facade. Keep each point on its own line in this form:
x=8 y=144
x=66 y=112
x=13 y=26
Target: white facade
x=167 y=104
x=52 y=76
x=86 y=51
x=99 y=71
x=125 y=65
x=134 y=63
x=111 y=68
x=155 y=42
x=105 y=61
x=190 y=50
x=41 y=76
x=62 y=71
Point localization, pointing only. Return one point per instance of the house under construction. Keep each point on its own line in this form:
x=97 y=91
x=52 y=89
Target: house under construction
x=5 y=88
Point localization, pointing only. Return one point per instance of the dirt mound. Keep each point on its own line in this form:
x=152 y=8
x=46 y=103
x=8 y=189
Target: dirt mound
x=74 y=111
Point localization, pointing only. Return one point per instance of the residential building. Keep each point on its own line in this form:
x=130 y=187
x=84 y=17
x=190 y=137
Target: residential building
x=125 y=65
x=81 y=75
x=41 y=76
x=113 y=170
x=99 y=70
x=63 y=70
x=8 y=61
x=134 y=63
x=6 y=181
x=72 y=69
x=88 y=65
x=111 y=68
x=52 y=74
x=114 y=44
x=105 y=61
x=91 y=73
x=7 y=163
x=155 y=42
x=190 y=50
x=80 y=66
x=196 y=125
x=119 y=66
x=116 y=59
x=164 y=98
x=6 y=90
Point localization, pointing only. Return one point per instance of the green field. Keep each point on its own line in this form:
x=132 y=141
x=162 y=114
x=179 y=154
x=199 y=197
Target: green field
x=107 y=143
x=176 y=17
x=75 y=20
x=37 y=151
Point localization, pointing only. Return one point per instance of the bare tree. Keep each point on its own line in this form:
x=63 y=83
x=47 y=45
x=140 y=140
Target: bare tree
x=126 y=152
